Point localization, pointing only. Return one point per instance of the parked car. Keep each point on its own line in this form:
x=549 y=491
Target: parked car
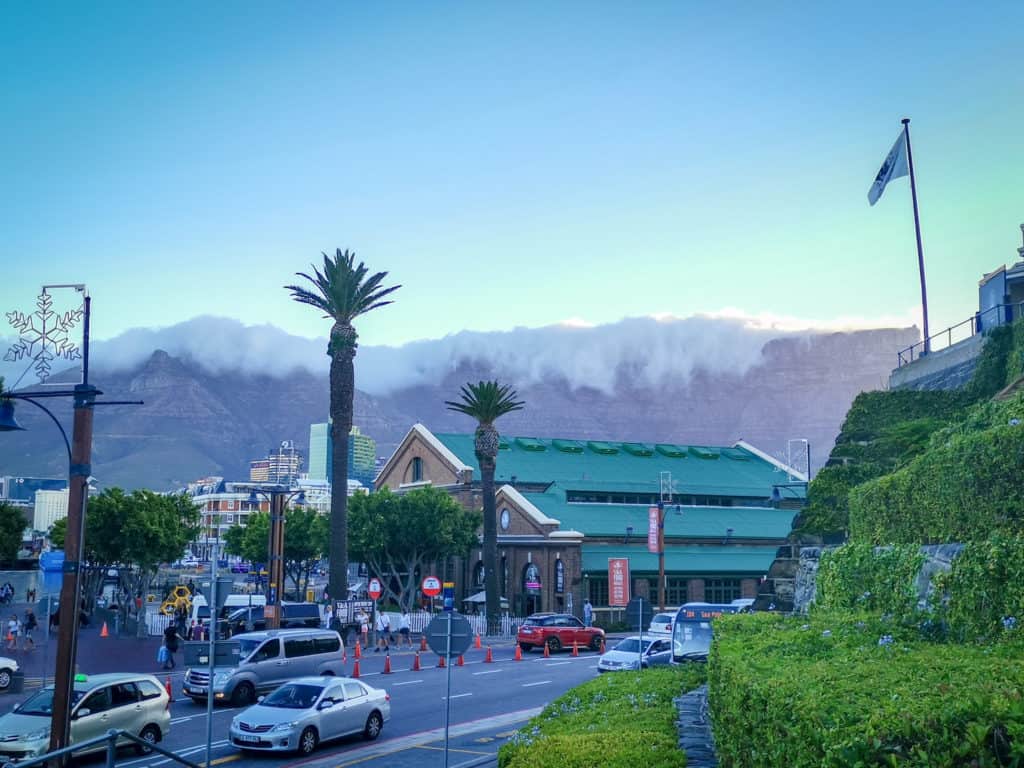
x=266 y=660
x=8 y=667
x=661 y=624
x=304 y=712
x=135 y=703
x=557 y=631
x=626 y=654
x=252 y=619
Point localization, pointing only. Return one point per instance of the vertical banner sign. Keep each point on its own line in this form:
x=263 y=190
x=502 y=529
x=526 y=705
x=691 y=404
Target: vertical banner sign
x=618 y=582
x=559 y=577
x=652 y=530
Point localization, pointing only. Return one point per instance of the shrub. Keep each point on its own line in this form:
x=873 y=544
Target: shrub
x=855 y=690
x=985 y=589
x=620 y=720
x=859 y=576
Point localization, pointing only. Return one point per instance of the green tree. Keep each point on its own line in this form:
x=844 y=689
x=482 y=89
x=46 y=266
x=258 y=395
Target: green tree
x=398 y=536
x=486 y=401
x=12 y=526
x=342 y=292
x=306 y=538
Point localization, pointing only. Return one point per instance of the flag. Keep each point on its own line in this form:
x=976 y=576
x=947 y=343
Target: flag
x=895 y=165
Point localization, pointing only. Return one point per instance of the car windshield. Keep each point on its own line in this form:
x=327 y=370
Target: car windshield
x=42 y=703
x=246 y=647
x=293 y=696
x=632 y=645
x=662 y=619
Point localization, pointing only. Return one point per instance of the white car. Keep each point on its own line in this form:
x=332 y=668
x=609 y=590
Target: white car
x=661 y=624
x=8 y=667
x=308 y=710
x=626 y=655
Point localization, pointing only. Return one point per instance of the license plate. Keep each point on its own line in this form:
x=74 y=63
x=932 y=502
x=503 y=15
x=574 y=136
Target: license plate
x=248 y=739
x=197 y=689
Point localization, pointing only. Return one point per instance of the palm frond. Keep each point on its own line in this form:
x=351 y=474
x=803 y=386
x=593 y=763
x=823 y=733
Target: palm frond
x=342 y=289
x=486 y=401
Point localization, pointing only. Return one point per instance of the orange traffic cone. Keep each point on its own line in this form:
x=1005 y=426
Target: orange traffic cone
x=519 y=653
x=489 y=659
x=387 y=665
x=104 y=632
x=344 y=656
x=575 y=649
x=602 y=646
x=167 y=686
x=476 y=641
x=547 y=651
x=357 y=654
x=355 y=669
x=423 y=642
x=460 y=662
x=416 y=662
x=440 y=662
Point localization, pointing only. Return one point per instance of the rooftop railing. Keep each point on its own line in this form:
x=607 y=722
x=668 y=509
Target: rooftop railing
x=1001 y=314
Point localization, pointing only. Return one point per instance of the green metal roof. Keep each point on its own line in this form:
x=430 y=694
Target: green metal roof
x=733 y=560
x=691 y=522
x=578 y=464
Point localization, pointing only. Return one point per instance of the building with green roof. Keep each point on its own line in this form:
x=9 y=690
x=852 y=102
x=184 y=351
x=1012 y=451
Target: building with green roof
x=566 y=507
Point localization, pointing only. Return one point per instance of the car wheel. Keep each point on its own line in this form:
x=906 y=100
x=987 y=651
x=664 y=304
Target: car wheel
x=553 y=645
x=526 y=647
x=151 y=735
x=595 y=643
x=307 y=741
x=5 y=679
x=374 y=724
x=244 y=695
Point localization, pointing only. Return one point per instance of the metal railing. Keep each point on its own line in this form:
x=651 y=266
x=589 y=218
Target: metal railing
x=111 y=738
x=1001 y=314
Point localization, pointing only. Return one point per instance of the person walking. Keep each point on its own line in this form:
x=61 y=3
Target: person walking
x=171 y=638
x=364 y=628
x=27 y=627
x=588 y=613
x=13 y=632
x=405 y=628
x=383 y=630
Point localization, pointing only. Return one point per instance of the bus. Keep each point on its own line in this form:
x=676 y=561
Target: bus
x=691 y=632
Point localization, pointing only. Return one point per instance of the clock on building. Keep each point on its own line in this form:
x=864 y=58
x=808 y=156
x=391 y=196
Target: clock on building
x=506 y=518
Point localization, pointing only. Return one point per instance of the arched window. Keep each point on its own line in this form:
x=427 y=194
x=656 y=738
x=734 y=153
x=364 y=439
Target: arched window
x=478 y=575
x=417 y=469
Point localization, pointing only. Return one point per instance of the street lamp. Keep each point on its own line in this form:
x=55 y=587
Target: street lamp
x=662 y=511
x=278 y=496
x=778 y=488
x=79 y=452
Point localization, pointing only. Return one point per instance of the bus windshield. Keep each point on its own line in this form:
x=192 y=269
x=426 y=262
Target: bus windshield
x=691 y=640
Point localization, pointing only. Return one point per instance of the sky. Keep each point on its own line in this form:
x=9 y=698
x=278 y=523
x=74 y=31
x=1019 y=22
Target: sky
x=510 y=165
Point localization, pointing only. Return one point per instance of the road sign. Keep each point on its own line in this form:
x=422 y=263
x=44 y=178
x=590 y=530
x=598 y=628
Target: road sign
x=374 y=590
x=431 y=586
x=639 y=613
x=438 y=638
x=448 y=601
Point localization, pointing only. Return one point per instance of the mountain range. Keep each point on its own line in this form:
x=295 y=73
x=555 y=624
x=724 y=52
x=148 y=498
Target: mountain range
x=200 y=420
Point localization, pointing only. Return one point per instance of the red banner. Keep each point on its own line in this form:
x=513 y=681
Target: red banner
x=618 y=582
x=652 y=530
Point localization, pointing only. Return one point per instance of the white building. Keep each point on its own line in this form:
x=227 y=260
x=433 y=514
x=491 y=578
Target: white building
x=50 y=506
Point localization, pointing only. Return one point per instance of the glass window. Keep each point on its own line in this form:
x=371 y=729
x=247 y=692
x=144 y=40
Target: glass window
x=721 y=590
x=295 y=647
x=574 y=622
x=354 y=691
x=97 y=701
x=269 y=650
x=149 y=690
x=327 y=644
x=417 y=469
x=123 y=693
x=598 y=590
x=675 y=590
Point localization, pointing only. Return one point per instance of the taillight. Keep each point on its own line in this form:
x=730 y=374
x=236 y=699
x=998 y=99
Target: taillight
x=387 y=697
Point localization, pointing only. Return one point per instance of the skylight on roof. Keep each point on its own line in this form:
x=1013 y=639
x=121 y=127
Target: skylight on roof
x=672 y=451
x=598 y=446
x=735 y=454
x=638 y=449
x=704 y=453
x=568 y=446
x=530 y=444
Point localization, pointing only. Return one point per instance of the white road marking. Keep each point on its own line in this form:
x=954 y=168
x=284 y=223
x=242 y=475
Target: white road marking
x=407 y=682
x=530 y=685
x=558 y=664
x=457 y=696
x=488 y=672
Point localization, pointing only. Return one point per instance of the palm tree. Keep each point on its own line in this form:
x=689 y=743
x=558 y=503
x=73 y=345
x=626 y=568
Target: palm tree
x=343 y=292
x=485 y=402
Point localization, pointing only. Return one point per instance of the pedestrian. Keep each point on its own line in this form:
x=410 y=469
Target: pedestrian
x=364 y=628
x=383 y=630
x=405 y=628
x=171 y=638
x=27 y=628
x=588 y=613
x=13 y=632
x=328 y=615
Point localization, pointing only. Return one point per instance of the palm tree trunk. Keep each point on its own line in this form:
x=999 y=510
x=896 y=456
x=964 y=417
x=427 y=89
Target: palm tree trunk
x=493 y=606
x=342 y=396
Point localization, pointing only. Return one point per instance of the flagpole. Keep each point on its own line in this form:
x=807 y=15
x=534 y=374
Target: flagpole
x=917 y=231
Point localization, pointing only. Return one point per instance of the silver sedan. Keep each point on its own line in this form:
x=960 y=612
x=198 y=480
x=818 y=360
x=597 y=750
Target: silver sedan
x=303 y=712
x=627 y=655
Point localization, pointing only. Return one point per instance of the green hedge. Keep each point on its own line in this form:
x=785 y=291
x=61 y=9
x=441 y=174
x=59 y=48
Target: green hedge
x=985 y=589
x=859 y=576
x=849 y=690
x=620 y=720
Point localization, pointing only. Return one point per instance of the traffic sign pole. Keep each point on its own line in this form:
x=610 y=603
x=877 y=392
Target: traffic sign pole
x=448 y=695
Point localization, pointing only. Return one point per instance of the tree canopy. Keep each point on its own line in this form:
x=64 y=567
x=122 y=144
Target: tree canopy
x=12 y=526
x=397 y=536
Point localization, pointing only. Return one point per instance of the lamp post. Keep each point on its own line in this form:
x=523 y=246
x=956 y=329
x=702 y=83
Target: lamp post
x=79 y=469
x=278 y=496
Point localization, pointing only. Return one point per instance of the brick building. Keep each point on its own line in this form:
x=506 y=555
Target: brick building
x=566 y=506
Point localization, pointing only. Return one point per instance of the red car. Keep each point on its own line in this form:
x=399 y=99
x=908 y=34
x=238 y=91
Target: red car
x=557 y=631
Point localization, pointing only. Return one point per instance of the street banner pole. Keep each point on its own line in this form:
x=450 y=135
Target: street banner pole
x=210 y=649
x=448 y=692
x=917 y=231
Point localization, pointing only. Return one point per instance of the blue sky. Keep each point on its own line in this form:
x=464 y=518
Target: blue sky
x=509 y=164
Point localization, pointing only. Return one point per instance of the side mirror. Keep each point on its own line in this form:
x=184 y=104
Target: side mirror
x=260 y=699
x=325 y=704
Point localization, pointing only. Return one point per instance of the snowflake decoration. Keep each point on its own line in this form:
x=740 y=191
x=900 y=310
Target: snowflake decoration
x=43 y=336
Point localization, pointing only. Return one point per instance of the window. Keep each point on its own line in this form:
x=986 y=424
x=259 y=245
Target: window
x=417 y=469
x=721 y=590
x=327 y=644
x=269 y=650
x=574 y=622
x=149 y=690
x=354 y=691
x=231 y=504
x=675 y=590
x=293 y=648
x=97 y=701
x=123 y=694
x=598 y=590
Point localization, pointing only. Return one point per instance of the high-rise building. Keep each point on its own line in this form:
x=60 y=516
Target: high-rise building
x=50 y=506
x=281 y=465
x=362 y=450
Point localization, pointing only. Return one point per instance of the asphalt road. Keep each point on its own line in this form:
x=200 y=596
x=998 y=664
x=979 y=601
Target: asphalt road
x=489 y=702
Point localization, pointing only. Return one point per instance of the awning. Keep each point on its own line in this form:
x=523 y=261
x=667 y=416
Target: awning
x=481 y=598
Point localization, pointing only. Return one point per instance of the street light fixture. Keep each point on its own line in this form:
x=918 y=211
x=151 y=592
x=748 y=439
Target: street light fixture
x=278 y=496
x=778 y=488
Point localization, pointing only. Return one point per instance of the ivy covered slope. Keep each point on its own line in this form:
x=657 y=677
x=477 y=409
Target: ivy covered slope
x=914 y=438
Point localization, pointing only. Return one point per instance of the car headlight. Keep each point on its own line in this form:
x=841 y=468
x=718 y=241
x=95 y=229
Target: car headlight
x=284 y=726
x=221 y=677
x=41 y=733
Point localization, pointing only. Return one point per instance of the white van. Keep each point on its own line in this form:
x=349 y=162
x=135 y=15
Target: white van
x=200 y=611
